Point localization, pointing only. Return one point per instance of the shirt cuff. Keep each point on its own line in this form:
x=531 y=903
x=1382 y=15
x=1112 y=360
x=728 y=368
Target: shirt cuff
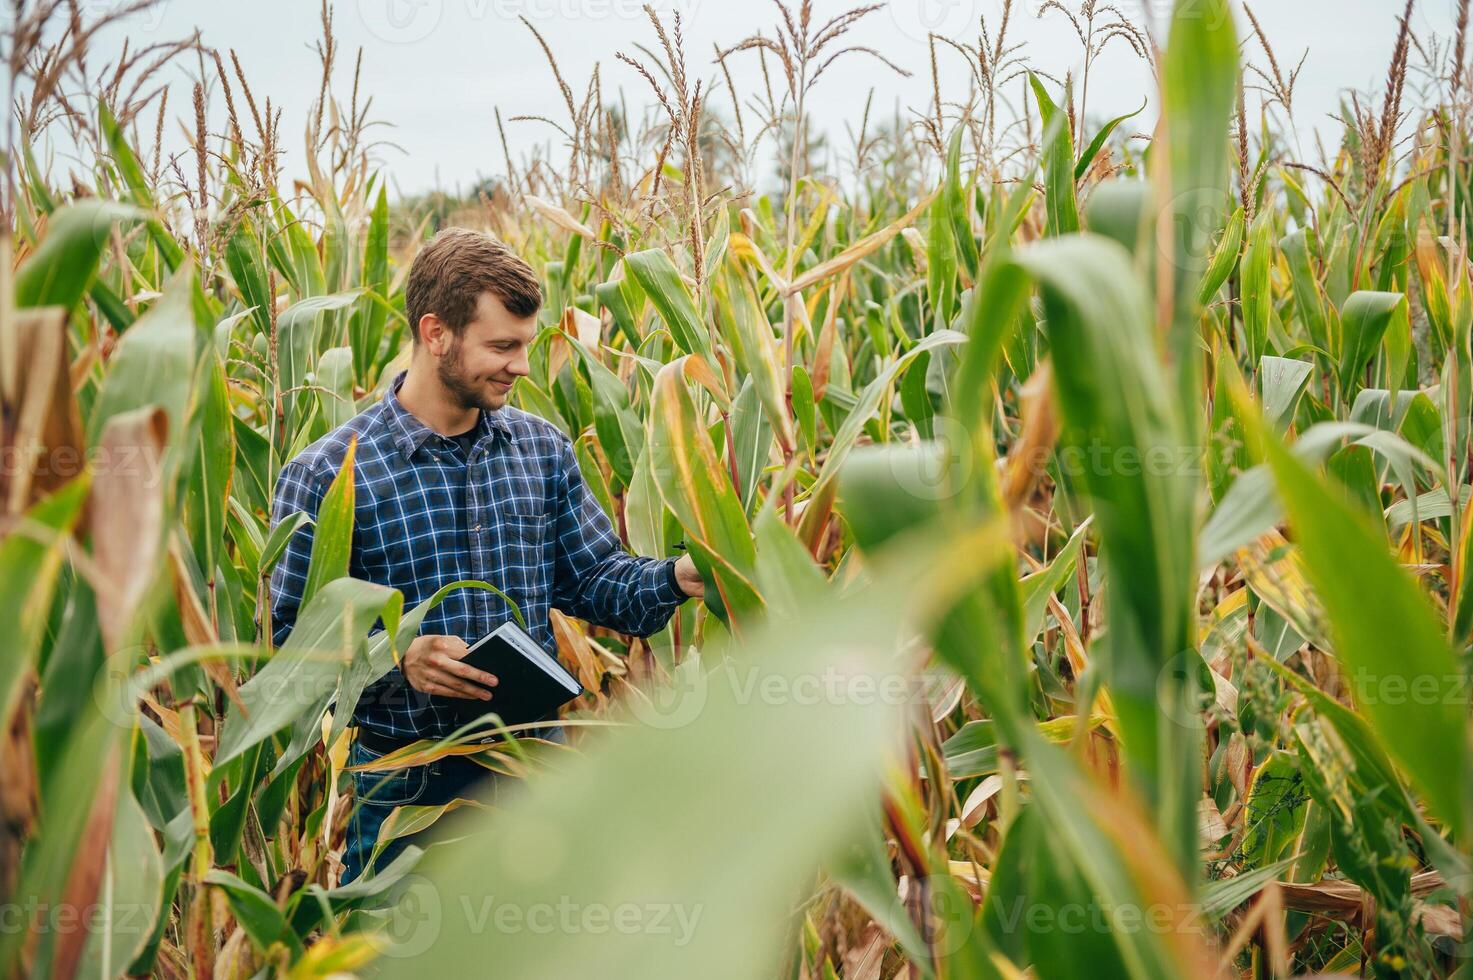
x=673 y=582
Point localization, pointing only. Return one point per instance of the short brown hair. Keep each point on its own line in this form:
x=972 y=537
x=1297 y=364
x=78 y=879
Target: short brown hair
x=452 y=271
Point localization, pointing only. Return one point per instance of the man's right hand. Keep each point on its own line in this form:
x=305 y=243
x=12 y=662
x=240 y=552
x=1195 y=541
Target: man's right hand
x=432 y=664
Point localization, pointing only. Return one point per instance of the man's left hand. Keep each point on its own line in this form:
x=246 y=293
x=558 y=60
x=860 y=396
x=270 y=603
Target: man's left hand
x=688 y=578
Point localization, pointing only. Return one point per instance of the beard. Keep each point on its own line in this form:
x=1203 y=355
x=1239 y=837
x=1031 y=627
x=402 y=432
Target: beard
x=462 y=386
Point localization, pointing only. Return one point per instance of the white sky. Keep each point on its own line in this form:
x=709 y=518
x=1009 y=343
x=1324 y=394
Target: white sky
x=436 y=69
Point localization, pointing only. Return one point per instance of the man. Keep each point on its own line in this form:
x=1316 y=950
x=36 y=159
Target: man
x=453 y=483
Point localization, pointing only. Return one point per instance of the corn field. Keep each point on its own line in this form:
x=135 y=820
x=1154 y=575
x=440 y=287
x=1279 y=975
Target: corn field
x=1086 y=518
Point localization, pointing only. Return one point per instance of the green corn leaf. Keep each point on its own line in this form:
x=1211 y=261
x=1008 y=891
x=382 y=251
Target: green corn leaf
x=1364 y=320
x=332 y=539
x=301 y=678
x=136 y=184
x=1390 y=648
x=367 y=326
x=696 y=485
x=657 y=276
x=1256 y=287
x=1223 y=259
x=62 y=268
x=1098 y=143
x=1060 y=198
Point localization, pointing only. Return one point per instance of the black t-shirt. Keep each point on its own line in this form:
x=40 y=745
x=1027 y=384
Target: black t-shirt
x=466 y=440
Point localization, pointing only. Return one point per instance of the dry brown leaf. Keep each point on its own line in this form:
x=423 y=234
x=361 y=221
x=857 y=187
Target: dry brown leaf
x=586 y=327
x=977 y=800
x=1029 y=458
x=127 y=505
x=19 y=796
x=168 y=717
x=573 y=646
x=559 y=353
x=89 y=860
x=1211 y=828
x=1239 y=763
x=198 y=629
x=40 y=427
x=863 y=960
x=1266 y=913
x=698 y=369
x=1343 y=899
x=1440 y=920
x=823 y=352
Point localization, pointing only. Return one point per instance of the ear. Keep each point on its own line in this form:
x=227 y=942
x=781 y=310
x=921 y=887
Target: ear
x=434 y=334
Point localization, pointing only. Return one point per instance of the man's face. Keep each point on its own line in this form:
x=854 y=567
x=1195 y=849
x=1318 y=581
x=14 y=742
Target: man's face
x=479 y=366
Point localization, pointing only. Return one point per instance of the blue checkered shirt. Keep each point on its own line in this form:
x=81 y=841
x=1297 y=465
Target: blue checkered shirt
x=515 y=514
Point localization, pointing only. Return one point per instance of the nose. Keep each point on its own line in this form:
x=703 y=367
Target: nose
x=520 y=366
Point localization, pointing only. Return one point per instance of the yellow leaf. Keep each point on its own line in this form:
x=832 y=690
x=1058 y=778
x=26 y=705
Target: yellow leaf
x=859 y=249
x=558 y=216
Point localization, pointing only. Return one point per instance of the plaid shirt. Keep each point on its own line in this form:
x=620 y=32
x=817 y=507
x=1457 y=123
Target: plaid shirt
x=516 y=514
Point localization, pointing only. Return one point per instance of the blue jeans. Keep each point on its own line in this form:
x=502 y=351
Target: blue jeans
x=436 y=783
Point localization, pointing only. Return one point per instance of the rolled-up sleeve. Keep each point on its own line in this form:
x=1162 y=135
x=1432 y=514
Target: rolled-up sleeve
x=595 y=578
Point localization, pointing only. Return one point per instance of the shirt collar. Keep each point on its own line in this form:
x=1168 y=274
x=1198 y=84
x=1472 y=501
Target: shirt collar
x=410 y=433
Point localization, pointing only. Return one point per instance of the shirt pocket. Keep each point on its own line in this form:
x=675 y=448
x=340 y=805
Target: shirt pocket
x=526 y=523
x=528 y=536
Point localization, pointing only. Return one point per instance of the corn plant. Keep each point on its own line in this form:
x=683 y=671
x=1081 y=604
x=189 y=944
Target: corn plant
x=1085 y=530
